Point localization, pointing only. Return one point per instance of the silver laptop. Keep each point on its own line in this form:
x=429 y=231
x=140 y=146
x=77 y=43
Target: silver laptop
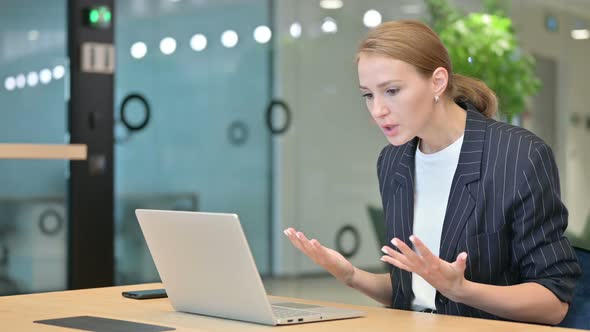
x=207 y=268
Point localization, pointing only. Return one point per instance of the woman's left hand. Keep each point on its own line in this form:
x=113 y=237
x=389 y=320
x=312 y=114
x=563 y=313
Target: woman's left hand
x=447 y=278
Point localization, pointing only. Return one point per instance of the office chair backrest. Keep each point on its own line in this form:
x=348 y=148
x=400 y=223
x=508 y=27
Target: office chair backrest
x=378 y=220
x=578 y=315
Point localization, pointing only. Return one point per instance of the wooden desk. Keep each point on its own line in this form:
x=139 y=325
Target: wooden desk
x=17 y=313
x=43 y=151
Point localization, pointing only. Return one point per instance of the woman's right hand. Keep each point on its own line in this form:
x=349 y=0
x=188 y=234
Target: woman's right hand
x=327 y=258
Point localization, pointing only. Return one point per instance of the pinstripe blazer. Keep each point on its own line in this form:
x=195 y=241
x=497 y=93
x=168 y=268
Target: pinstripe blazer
x=504 y=210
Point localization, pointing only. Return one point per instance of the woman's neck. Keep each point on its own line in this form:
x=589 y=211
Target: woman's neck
x=445 y=127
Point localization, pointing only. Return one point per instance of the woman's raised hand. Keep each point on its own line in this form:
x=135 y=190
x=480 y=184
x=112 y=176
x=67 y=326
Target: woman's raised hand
x=327 y=258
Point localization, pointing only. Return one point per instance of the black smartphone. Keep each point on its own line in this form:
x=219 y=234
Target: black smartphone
x=145 y=294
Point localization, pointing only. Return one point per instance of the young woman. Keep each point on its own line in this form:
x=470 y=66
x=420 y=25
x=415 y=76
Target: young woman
x=472 y=206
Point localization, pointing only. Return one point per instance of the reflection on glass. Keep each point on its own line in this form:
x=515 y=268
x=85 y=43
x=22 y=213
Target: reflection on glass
x=58 y=72
x=33 y=35
x=329 y=25
x=32 y=79
x=45 y=76
x=262 y=34
x=295 y=30
x=198 y=42
x=138 y=50
x=20 y=81
x=229 y=38
x=10 y=83
x=168 y=45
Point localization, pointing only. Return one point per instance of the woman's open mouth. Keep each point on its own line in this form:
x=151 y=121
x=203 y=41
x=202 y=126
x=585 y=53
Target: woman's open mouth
x=390 y=130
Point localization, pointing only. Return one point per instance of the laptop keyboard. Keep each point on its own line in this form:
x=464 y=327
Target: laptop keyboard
x=282 y=312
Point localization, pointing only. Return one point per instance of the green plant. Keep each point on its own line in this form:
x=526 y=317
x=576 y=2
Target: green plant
x=484 y=45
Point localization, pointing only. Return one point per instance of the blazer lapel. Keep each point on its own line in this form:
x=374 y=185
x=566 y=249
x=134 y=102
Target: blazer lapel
x=402 y=219
x=404 y=181
x=463 y=192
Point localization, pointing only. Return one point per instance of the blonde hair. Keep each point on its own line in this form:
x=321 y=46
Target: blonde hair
x=415 y=43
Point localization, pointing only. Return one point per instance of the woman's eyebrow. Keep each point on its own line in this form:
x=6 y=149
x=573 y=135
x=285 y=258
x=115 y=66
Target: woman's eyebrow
x=382 y=84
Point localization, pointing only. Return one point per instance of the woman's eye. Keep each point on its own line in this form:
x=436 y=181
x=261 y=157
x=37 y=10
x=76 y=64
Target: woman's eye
x=392 y=92
x=368 y=95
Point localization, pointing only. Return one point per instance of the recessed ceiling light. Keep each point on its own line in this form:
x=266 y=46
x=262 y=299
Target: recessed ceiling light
x=372 y=18
x=32 y=78
x=262 y=34
x=58 y=72
x=580 y=34
x=10 y=83
x=331 y=4
x=295 y=30
x=329 y=25
x=138 y=50
x=229 y=38
x=198 y=42
x=168 y=45
x=21 y=81
x=45 y=76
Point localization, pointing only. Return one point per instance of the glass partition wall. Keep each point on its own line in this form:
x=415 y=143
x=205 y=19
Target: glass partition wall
x=33 y=109
x=201 y=70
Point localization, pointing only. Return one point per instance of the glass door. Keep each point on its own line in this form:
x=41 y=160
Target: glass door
x=192 y=86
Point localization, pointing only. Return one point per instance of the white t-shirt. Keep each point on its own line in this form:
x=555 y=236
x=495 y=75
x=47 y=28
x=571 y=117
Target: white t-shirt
x=433 y=178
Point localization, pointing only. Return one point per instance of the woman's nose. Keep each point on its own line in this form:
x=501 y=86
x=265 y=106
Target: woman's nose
x=379 y=109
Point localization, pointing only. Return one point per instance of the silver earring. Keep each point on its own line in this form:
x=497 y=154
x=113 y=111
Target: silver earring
x=436 y=99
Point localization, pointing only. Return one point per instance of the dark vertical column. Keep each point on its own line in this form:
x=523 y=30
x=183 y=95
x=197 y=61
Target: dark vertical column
x=90 y=121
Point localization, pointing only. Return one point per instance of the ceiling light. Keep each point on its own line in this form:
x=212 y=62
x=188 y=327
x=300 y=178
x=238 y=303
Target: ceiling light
x=21 y=81
x=168 y=45
x=331 y=4
x=329 y=25
x=372 y=18
x=580 y=34
x=45 y=76
x=262 y=34
x=138 y=50
x=58 y=72
x=10 y=83
x=295 y=30
x=32 y=79
x=229 y=38
x=198 y=42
